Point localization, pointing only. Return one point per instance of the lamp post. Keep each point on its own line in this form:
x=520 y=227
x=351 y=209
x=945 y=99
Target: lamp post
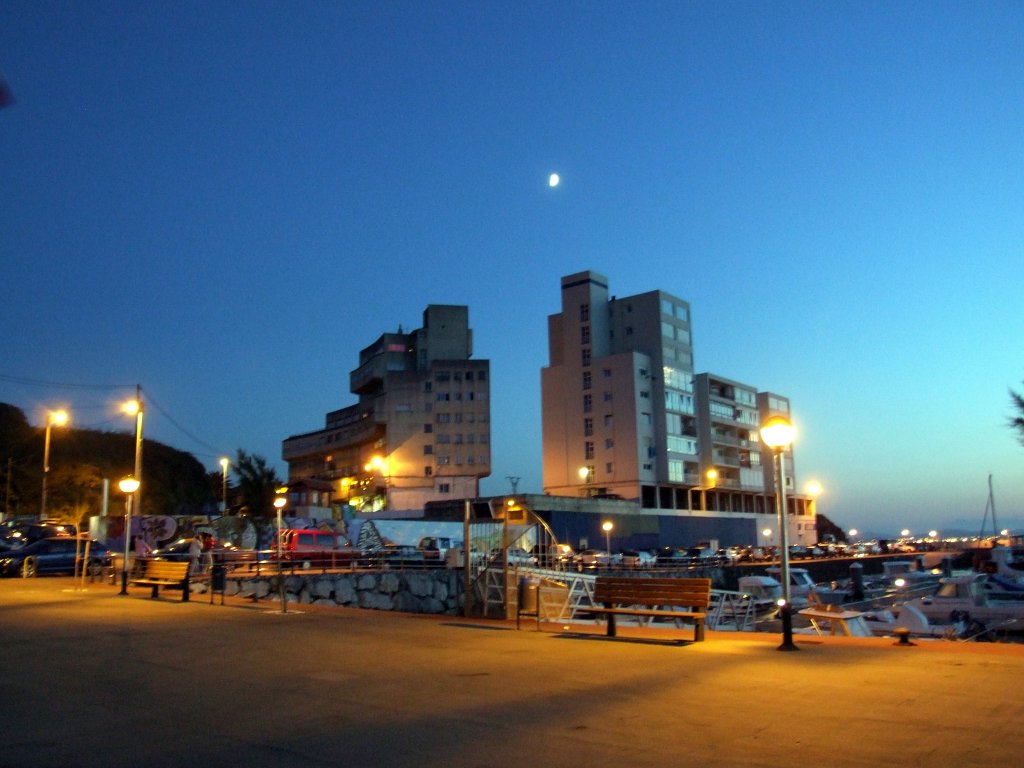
x=607 y=526
x=224 y=464
x=129 y=487
x=279 y=503
x=778 y=433
x=134 y=408
x=53 y=419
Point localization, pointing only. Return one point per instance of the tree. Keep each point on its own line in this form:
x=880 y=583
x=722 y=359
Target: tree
x=257 y=484
x=1017 y=421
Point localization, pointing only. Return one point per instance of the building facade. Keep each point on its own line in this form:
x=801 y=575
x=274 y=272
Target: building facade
x=421 y=429
x=625 y=416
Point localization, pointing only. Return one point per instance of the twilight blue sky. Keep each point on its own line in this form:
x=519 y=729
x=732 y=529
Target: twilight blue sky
x=225 y=201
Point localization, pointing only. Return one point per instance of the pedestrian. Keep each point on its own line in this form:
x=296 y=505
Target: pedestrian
x=142 y=547
x=195 y=549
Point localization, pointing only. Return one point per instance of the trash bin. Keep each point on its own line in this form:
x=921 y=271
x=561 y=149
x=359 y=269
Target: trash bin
x=218 y=577
x=529 y=598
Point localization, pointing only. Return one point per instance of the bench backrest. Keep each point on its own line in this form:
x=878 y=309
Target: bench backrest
x=695 y=593
x=166 y=569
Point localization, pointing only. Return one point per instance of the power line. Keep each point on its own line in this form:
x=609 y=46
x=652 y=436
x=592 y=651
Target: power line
x=58 y=384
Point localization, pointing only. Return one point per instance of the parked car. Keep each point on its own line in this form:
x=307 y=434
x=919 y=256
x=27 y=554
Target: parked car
x=53 y=555
x=436 y=548
x=552 y=555
x=637 y=558
x=18 y=533
x=516 y=556
x=217 y=552
x=589 y=559
x=398 y=555
x=320 y=548
x=672 y=556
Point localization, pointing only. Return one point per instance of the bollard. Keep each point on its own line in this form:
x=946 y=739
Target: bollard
x=856 y=582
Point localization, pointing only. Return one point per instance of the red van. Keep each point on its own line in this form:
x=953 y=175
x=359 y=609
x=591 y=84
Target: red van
x=321 y=548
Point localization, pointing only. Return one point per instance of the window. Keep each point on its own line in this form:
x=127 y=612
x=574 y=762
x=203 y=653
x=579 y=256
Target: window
x=469 y=375
x=588 y=403
x=441 y=397
x=443 y=439
x=675 y=471
x=585 y=356
x=481 y=376
x=677 y=444
x=444 y=418
x=588 y=450
x=444 y=488
x=609 y=468
x=443 y=376
x=607 y=373
x=444 y=460
x=428 y=386
x=428 y=471
x=666 y=307
x=458 y=438
x=607 y=419
x=588 y=427
x=584 y=313
x=645 y=395
x=584 y=334
x=586 y=380
x=428 y=450
x=609 y=443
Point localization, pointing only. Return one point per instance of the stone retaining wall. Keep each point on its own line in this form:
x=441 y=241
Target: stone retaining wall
x=429 y=591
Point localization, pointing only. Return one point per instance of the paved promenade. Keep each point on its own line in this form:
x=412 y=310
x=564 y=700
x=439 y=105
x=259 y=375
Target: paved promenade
x=91 y=678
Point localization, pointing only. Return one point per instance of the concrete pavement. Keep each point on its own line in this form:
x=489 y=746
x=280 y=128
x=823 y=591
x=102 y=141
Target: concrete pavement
x=91 y=678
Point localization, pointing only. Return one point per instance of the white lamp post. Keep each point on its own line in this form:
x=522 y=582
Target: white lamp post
x=129 y=487
x=224 y=464
x=279 y=504
x=134 y=408
x=607 y=526
x=53 y=419
x=778 y=433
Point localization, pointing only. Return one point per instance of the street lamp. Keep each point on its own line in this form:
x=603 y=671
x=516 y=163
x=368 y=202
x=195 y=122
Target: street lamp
x=129 y=487
x=585 y=474
x=134 y=408
x=279 y=503
x=224 y=464
x=378 y=464
x=53 y=419
x=607 y=526
x=778 y=433
x=711 y=477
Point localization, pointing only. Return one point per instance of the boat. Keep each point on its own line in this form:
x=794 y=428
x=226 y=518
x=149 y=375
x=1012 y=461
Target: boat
x=966 y=598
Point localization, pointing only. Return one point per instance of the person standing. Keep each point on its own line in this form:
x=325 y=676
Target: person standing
x=195 y=551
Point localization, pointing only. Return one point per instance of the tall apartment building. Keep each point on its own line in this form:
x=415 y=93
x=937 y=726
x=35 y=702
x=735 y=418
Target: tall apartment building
x=421 y=430
x=624 y=414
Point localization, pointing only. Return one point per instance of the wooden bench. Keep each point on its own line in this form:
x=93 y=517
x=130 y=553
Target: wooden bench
x=653 y=597
x=165 y=573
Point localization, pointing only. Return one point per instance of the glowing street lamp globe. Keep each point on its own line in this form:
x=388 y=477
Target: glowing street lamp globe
x=778 y=433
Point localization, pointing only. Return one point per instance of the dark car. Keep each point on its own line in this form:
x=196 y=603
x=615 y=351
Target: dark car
x=222 y=554
x=53 y=555
x=17 y=533
x=396 y=555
